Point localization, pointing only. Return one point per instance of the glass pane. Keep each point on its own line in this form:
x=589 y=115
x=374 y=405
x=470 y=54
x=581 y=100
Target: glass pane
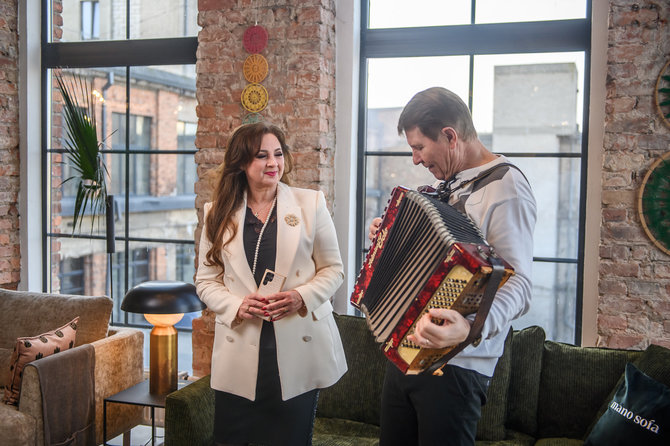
x=161 y=185
x=555 y=183
x=404 y=14
x=554 y=301
x=383 y=173
x=82 y=20
x=529 y=101
x=495 y=11
x=393 y=82
x=79 y=266
x=150 y=19
x=106 y=19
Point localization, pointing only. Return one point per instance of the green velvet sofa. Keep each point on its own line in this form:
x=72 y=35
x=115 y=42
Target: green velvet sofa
x=543 y=393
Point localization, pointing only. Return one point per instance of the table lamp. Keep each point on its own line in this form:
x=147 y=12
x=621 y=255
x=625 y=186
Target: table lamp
x=163 y=304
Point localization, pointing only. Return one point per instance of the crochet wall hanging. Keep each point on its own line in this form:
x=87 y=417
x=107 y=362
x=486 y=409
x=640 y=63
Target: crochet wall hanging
x=255 y=69
x=653 y=204
x=662 y=93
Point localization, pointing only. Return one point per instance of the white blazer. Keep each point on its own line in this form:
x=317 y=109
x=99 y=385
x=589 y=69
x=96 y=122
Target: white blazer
x=309 y=349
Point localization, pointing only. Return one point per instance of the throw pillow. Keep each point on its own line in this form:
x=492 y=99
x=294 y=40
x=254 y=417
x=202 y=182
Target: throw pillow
x=639 y=413
x=29 y=349
x=491 y=425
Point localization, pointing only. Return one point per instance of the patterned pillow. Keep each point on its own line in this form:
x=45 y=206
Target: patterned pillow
x=32 y=348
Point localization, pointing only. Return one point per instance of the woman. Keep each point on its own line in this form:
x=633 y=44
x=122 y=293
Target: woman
x=271 y=353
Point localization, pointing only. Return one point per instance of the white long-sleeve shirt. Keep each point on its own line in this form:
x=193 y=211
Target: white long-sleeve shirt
x=502 y=205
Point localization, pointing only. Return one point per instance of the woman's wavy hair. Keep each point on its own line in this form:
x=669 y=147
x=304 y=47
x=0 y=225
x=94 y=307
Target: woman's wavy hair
x=242 y=147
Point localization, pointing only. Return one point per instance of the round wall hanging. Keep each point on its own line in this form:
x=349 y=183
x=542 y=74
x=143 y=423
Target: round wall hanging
x=662 y=93
x=653 y=204
x=255 y=39
x=255 y=68
x=252 y=118
x=254 y=98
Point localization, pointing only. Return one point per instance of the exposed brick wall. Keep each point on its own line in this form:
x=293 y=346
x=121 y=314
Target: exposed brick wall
x=301 y=90
x=634 y=287
x=10 y=250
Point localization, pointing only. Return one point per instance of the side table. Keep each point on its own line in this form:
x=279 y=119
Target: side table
x=137 y=395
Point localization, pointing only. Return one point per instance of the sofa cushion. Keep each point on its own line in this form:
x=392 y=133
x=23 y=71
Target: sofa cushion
x=25 y=314
x=5 y=357
x=524 y=386
x=337 y=427
x=559 y=441
x=573 y=384
x=639 y=413
x=17 y=428
x=491 y=425
x=357 y=395
x=653 y=362
x=29 y=349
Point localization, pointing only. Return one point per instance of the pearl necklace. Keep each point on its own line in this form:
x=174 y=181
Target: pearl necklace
x=260 y=235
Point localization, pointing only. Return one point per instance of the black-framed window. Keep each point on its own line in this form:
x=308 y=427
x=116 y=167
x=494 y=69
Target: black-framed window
x=130 y=82
x=71 y=275
x=138 y=181
x=186 y=169
x=90 y=19
x=525 y=78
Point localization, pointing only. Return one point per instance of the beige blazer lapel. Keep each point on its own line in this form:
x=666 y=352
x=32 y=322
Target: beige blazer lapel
x=237 y=257
x=289 y=222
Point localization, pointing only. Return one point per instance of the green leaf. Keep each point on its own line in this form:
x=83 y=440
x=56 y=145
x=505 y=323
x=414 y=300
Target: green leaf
x=82 y=149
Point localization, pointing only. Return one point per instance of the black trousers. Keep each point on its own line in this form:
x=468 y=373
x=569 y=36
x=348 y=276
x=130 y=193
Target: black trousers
x=268 y=420
x=429 y=410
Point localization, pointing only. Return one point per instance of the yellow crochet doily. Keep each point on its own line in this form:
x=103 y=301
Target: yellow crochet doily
x=255 y=68
x=254 y=98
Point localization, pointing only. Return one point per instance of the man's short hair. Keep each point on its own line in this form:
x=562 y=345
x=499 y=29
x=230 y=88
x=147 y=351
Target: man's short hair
x=432 y=110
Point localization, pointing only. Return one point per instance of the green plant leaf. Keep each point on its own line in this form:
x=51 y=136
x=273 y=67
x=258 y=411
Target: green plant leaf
x=82 y=149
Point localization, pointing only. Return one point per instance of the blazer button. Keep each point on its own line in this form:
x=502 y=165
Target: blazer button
x=230 y=339
x=297 y=273
x=306 y=338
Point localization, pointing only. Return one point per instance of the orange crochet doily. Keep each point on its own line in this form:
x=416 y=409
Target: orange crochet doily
x=255 y=68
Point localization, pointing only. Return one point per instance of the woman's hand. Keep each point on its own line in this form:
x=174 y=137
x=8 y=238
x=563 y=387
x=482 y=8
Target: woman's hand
x=374 y=227
x=451 y=329
x=283 y=304
x=252 y=306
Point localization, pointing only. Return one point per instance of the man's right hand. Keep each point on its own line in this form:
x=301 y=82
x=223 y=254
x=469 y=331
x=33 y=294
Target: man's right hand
x=374 y=227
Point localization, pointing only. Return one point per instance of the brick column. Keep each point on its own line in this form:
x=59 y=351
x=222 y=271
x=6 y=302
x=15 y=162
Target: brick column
x=301 y=89
x=10 y=250
x=634 y=288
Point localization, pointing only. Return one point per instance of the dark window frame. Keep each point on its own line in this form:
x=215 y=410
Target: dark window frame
x=106 y=54
x=474 y=40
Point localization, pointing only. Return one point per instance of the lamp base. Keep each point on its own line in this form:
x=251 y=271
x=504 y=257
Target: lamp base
x=163 y=360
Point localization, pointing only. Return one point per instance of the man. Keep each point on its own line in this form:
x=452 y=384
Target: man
x=444 y=410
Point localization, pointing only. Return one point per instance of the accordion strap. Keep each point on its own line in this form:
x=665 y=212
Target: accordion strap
x=483 y=311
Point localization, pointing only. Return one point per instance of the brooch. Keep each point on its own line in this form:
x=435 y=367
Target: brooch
x=292 y=220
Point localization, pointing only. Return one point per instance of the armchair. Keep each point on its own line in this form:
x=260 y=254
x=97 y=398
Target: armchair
x=118 y=360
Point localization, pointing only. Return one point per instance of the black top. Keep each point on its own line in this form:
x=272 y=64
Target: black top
x=267 y=251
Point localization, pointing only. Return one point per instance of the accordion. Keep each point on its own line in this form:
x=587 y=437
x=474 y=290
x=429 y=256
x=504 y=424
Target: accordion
x=426 y=254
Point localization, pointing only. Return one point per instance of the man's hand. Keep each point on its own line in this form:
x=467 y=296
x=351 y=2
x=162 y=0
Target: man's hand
x=452 y=330
x=374 y=227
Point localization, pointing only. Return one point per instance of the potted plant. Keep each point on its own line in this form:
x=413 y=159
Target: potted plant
x=83 y=149
x=84 y=153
